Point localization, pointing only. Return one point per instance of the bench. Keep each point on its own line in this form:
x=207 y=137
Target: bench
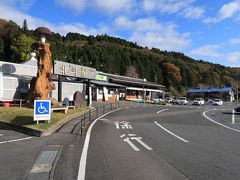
x=71 y=107
x=65 y=109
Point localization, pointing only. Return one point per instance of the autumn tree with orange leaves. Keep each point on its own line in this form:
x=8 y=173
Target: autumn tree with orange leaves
x=172 y=72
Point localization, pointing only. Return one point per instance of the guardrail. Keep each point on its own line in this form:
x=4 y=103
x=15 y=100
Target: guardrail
x=93 y=114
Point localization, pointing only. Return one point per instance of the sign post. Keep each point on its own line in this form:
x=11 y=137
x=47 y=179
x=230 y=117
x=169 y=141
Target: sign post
x=42 y=110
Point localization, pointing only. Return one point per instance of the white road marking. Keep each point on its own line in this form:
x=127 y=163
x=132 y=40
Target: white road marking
x=1 y=134
x=233 y=116
x=104 y=119
x=83 y=160
x=170 y=132
x=122 y=136
x=204 y=114
x=131 y=144
x=15 y=140
x=162 y=110
x=138 y=139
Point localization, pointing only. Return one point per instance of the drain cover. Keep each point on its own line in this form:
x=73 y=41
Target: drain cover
x=44 y=163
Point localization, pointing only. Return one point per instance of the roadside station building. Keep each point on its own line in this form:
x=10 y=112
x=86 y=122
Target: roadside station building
x=225 y=93
x=15 y=84
x=135 y=88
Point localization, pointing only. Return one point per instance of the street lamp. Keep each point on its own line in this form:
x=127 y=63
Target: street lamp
x=144 y=80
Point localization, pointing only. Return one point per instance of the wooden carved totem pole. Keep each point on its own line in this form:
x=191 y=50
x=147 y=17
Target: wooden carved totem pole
x=41 y=85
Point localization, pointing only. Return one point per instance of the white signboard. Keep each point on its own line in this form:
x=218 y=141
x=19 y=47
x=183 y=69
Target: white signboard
x=68 y=69
x=42 y=110
x=1 y=84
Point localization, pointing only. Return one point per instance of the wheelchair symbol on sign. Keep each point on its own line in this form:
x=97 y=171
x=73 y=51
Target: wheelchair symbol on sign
x=42 y=109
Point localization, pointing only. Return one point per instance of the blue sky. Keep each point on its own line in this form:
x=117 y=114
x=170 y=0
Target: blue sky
x=202 y=29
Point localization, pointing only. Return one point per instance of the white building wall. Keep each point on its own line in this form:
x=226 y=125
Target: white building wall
x=14 y=88
x=68 y=90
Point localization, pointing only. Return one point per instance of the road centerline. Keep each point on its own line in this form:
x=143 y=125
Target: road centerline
x=180 y=138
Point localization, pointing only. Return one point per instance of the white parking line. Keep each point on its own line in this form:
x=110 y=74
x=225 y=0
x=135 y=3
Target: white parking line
x=204 y=114
x=15 y=140
x=162 y=110
x=170 y=132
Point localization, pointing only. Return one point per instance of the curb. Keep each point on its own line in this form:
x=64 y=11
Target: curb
x=38 y=133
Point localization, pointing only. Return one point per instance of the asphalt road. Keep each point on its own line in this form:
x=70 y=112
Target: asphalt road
x=157 y=142
x=163 y=143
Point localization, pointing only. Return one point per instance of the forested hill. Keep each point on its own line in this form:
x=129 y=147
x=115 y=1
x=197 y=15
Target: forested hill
x=117 y=56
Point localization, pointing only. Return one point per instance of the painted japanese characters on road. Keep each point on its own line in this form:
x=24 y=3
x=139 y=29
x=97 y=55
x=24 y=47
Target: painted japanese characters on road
x=130 y=139
x=122 y=125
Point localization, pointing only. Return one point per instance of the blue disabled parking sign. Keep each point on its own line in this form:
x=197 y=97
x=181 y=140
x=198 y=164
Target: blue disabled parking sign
x=42 y=110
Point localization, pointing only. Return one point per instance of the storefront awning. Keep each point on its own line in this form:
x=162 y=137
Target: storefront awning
x=102 y=83
x=144 y=89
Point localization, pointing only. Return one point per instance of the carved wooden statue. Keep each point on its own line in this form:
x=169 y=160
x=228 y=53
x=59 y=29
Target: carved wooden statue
x=41 y=85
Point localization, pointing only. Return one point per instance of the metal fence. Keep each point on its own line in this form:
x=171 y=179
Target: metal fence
x=91 y=115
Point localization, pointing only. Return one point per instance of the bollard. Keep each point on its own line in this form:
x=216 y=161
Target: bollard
x=103 y=109
x=84 y=119
x=89 y=115
x=111 y=107
x=20 y=102
x=81 y=127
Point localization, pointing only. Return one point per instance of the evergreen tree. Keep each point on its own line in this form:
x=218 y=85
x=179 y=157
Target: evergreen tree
x=25 y=26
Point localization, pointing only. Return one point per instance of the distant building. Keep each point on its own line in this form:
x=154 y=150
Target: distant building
x=225 y=93
x=127 y=88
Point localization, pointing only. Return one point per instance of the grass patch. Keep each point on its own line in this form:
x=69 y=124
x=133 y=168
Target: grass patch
x=24 y=117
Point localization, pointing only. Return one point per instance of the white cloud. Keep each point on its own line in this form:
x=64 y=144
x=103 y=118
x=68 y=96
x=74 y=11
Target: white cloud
x=233 y=58
x=75 y=5
x=234 y=41
x=75 y=27
x=193 y=12
x=227 y=11
x=21 y=4
x=207 y=50
x=184 y=8
x=112 y=6
x=104 y=6
x=166 y=6
x=149 y=32
x=10 y=13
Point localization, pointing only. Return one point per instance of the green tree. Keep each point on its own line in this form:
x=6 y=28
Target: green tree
x=25 y=26
x=21 y=47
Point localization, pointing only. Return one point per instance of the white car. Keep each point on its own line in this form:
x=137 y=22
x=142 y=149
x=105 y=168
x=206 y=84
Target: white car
x=198 y=101
x=168 y=100
x=217 y=102
x=182 y=100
